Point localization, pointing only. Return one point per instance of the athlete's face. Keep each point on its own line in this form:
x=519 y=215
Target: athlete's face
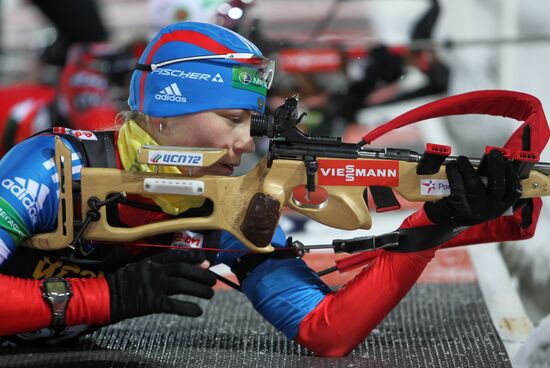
x=228 y=129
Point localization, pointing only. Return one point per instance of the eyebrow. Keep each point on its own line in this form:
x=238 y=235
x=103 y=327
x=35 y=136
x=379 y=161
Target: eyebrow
x=238 y=112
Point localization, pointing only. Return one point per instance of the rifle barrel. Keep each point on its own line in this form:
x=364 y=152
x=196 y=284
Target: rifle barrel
x=543 y=167
x=345 y=150
x=412 y=156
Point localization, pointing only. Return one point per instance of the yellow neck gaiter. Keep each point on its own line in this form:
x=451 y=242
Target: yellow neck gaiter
x=130 y=139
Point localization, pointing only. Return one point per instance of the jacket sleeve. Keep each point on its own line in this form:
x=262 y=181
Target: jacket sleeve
x=24 y=309
x=521 y=224
x=329 y=332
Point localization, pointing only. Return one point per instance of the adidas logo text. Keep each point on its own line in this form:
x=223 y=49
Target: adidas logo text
x=171 y=93
x=31 y=194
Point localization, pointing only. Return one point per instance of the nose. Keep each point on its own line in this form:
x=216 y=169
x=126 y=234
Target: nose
x=244 y=142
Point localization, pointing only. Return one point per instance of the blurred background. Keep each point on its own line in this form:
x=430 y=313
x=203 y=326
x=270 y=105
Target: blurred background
x=354 y=63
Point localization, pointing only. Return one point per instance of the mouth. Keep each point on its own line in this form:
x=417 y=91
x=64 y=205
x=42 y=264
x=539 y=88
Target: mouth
x=228 y=167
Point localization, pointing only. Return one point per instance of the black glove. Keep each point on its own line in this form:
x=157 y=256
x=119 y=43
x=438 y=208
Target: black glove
x=145 y=287
x=471 y=201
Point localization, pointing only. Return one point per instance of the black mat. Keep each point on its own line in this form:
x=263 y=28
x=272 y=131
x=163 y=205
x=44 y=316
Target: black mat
x=444 y=325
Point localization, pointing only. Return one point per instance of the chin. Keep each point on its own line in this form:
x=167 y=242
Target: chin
x=224 y=171
x=218 y=171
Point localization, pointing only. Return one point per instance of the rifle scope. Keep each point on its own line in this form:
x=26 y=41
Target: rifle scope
x=262 y=126
x=281 y=123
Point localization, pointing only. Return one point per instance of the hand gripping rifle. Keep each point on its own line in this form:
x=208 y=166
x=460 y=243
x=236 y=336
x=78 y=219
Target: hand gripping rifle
x=321 y=177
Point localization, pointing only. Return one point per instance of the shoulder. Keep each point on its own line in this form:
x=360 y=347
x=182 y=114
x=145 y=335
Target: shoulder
x=35 y=156
x=29 y=182
x=29 y=153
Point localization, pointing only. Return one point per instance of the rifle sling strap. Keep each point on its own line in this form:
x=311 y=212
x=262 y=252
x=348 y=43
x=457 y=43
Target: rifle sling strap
x=403 y=240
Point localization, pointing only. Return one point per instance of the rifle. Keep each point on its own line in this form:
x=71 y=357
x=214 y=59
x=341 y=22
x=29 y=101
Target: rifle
x=321 y=177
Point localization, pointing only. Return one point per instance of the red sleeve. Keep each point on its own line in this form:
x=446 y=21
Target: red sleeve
x=503 y=228
x=24 y=310
x=344 y=318
x=89 y=303
x=417 y=219
x=329 y=332
x=518 y=226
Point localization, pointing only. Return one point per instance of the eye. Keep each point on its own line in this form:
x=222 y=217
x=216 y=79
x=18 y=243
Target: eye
x=234 y=119
x=235 y=116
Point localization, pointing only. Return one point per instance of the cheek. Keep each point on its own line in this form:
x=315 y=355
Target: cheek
x=187 y=135
x=217 y=135
x=178 y=139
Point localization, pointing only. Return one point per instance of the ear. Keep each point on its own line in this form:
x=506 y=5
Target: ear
x=156 y=126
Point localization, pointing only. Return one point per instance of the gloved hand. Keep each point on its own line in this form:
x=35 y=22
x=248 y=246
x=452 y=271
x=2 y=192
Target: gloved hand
x=471 y=201
x=145 y=287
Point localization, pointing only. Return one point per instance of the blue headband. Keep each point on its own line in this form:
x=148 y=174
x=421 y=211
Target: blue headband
x=191 y=67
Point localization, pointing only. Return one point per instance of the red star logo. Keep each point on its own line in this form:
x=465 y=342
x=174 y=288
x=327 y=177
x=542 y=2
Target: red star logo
x=430 y=185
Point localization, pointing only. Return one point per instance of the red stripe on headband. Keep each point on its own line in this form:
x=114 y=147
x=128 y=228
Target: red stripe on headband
x=192 y=37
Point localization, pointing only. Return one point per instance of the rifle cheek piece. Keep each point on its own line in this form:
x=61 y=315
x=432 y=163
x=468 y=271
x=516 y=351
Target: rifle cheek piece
x=261 y=219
